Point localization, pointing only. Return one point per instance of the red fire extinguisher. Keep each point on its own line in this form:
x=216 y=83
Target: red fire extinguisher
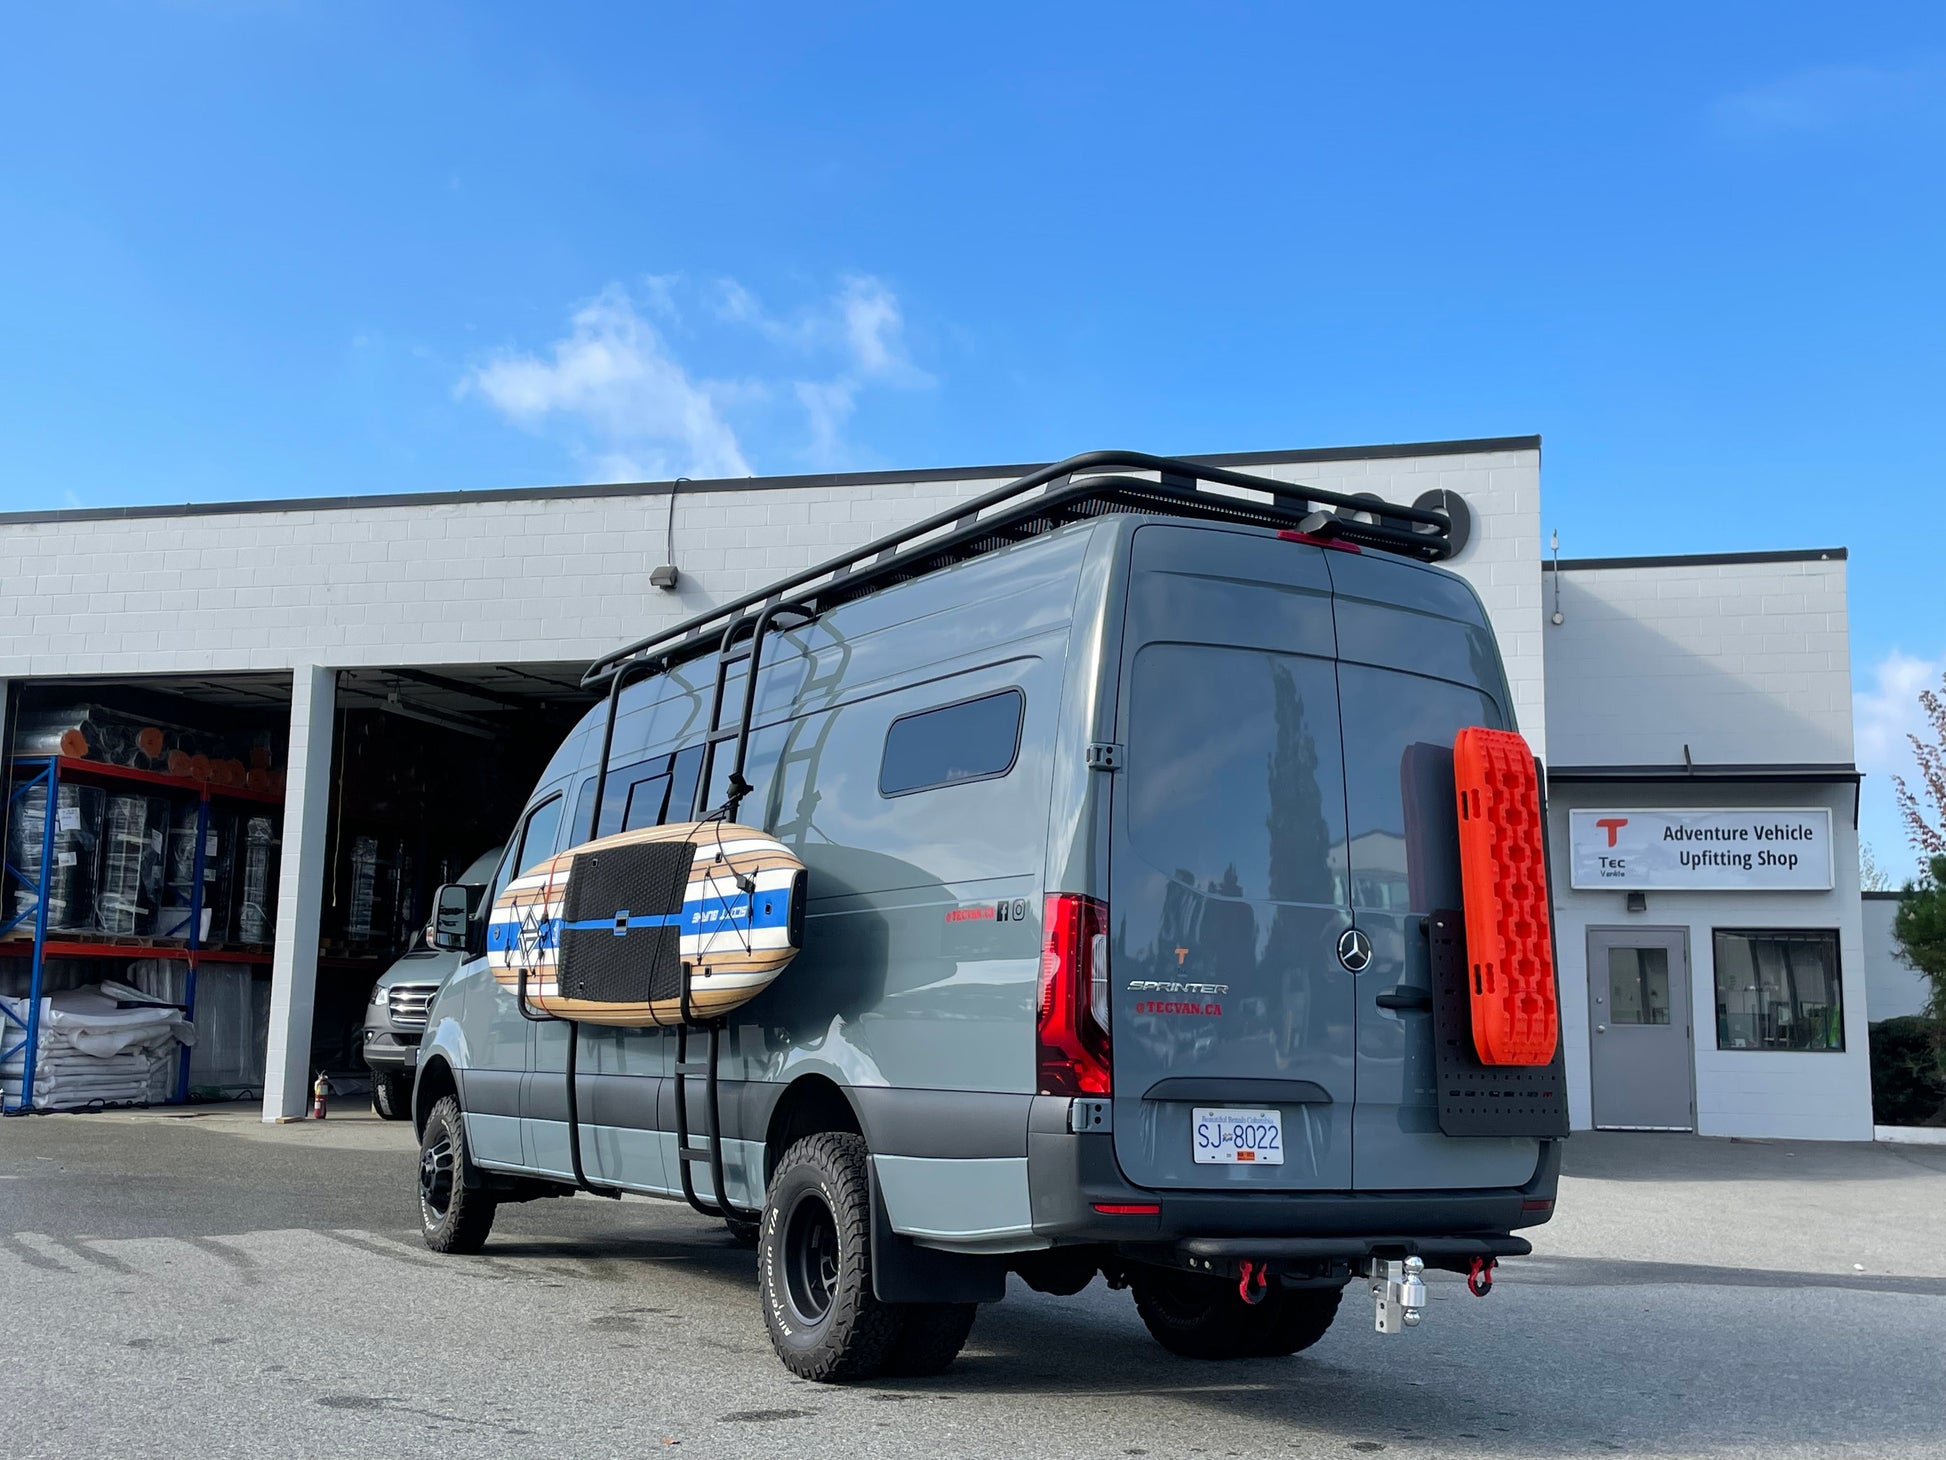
x=318 y=1092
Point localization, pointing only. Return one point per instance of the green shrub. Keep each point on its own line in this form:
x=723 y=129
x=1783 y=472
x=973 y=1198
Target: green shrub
x=1908 y=1075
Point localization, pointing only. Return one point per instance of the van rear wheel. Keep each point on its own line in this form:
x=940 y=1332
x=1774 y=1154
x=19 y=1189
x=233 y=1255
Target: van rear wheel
x=930 y=1338
x=1201 y=1317
x=814 y=1261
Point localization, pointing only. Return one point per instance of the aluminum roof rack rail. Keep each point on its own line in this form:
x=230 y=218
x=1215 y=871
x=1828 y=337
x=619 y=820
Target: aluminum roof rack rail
x=1082 y=486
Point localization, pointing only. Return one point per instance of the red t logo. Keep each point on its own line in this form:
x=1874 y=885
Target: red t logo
x=1611 y=825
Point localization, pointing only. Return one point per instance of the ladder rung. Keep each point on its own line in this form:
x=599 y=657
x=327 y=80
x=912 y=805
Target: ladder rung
x=690 y=1153
x=728 y=732
x=692 y=1067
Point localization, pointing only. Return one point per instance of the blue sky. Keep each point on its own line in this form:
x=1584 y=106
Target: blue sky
x=270 y=249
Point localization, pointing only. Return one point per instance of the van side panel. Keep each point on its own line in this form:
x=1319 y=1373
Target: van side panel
x=917 y=982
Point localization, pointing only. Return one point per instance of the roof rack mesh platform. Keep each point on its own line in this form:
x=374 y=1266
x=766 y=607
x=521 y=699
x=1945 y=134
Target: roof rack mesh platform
x=1082 y=486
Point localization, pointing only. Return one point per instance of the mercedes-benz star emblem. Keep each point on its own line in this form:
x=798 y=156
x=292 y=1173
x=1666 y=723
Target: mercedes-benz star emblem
x=1354 y=949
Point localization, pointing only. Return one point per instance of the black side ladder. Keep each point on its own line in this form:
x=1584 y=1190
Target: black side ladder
x=735 y=650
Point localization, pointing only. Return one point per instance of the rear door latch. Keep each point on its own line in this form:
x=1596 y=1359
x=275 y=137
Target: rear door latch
x=1105 y=755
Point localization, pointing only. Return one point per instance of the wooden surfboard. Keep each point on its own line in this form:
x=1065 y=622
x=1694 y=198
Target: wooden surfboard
x=602 y=931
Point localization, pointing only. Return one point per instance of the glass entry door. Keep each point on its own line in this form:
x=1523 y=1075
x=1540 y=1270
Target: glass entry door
x=1641 y=1054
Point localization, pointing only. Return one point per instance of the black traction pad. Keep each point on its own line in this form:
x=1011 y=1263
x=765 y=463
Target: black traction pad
x=1476 y=1098
x=634 y=956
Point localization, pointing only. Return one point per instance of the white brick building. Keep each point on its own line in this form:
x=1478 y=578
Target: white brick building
x=444 y=606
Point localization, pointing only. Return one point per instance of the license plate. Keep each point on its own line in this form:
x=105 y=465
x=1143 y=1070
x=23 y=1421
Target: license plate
x=1227 y=1137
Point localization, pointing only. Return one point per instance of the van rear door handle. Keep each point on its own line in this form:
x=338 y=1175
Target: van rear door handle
x=1404 y=998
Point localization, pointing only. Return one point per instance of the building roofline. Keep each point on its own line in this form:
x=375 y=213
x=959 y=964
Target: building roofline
x=736 y=484
x=1699 y=560
x=1872 y=895
x=1838 y=772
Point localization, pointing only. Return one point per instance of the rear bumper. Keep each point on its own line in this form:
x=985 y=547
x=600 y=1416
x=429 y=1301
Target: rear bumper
x=1070 y=1176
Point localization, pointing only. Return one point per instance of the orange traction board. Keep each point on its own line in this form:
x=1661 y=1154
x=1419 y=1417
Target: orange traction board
x=1503 y=873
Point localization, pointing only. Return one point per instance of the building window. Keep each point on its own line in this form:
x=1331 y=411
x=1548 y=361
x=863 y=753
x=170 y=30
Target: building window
x=1778 y=989
x=974 y=740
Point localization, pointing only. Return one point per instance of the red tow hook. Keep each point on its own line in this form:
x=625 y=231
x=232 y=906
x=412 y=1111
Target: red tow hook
x=1253 y=1292
x=1479 y=1277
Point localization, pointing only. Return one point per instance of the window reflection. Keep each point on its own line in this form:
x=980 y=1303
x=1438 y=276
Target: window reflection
x=1778 y=989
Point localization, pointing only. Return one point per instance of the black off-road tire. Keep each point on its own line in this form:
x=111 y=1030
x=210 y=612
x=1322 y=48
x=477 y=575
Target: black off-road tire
x=1291 y=1320
x=930 y=1338
x=1201 y=1317
x=391 y=1095
x=814 y=1264
x=454 y=1217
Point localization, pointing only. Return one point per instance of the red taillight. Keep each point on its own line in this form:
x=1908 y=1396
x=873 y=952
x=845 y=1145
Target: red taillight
x=1073 y=1022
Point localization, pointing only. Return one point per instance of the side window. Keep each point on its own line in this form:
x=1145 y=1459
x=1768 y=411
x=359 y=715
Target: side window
x=974 y=740
x=584 y=814
x=534 y=842
x=682 y=784
x=645 y=798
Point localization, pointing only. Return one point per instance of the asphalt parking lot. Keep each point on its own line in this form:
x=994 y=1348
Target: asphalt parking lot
x=200 y=1285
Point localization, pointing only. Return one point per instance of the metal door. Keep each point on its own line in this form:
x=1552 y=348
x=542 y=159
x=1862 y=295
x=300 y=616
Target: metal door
x=1641 y=1049
x=1228 y=860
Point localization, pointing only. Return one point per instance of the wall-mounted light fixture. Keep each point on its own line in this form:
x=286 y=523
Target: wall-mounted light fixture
x=666 y=577
x=1638 y=902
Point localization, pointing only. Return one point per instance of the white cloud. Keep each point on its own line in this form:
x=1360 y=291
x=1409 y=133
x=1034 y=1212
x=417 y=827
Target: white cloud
x=1886 y=713
x=632 y=411
x=614 y=379
x=1825 y=98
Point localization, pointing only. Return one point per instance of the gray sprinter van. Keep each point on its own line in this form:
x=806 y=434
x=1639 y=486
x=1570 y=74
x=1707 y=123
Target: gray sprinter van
x=1132 y=949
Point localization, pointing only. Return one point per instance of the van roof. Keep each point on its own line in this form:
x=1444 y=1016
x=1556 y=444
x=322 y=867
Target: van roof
x=1082 y=486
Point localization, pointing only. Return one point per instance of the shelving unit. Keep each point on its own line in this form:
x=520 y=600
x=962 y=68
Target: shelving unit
x=46 y=774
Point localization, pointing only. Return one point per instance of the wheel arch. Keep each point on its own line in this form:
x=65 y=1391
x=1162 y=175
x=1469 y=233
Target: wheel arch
x=810 y=1105
x=436 y=1081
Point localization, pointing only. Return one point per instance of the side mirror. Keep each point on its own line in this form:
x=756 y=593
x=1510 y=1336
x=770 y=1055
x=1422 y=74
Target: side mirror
x=451 y=916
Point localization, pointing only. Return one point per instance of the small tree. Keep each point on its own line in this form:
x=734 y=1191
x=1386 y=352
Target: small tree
x=1928 y=834
x=1920 y=927
x=1871 y=876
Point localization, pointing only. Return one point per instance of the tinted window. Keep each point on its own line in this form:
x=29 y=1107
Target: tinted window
x=682 y=784
x=1399 y=731
x=1233 y=771
x=1778 y=989
x=971 y=741
x=534 y=842
x=537 y=837
x=645 y=798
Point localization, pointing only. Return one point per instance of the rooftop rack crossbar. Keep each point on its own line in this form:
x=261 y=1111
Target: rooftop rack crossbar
x=1081 y=486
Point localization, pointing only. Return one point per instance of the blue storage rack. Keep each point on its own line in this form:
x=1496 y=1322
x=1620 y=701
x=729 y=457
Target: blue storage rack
x=44 y=774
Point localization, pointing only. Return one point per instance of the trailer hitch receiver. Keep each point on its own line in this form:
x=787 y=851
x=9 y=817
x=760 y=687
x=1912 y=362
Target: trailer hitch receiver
x=1398 y=1293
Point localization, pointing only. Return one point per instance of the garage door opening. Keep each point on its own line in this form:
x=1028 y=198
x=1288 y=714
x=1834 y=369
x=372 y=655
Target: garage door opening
x=154 y=891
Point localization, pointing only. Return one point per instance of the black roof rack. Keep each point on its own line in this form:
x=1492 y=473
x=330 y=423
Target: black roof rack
x=1082 y=486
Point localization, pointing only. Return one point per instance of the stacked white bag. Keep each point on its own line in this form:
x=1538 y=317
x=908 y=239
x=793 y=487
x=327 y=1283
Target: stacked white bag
x=107 y=1044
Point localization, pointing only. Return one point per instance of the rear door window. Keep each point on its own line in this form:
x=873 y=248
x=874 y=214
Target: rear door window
x=1399 y=731
x=974 y=740
x=1233 y=779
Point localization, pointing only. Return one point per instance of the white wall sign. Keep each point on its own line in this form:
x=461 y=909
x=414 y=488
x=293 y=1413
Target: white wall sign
x=1697 y=851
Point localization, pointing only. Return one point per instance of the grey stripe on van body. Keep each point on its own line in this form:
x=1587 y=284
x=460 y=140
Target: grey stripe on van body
x=941 y=1124
x=491 y=1092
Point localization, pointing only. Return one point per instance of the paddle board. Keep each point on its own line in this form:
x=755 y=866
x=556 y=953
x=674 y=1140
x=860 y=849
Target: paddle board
x=601 y=932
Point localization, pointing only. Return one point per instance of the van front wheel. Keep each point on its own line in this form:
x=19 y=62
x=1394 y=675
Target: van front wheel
x=454 y=1216
x=1201 y=1317
x=814 y=1260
